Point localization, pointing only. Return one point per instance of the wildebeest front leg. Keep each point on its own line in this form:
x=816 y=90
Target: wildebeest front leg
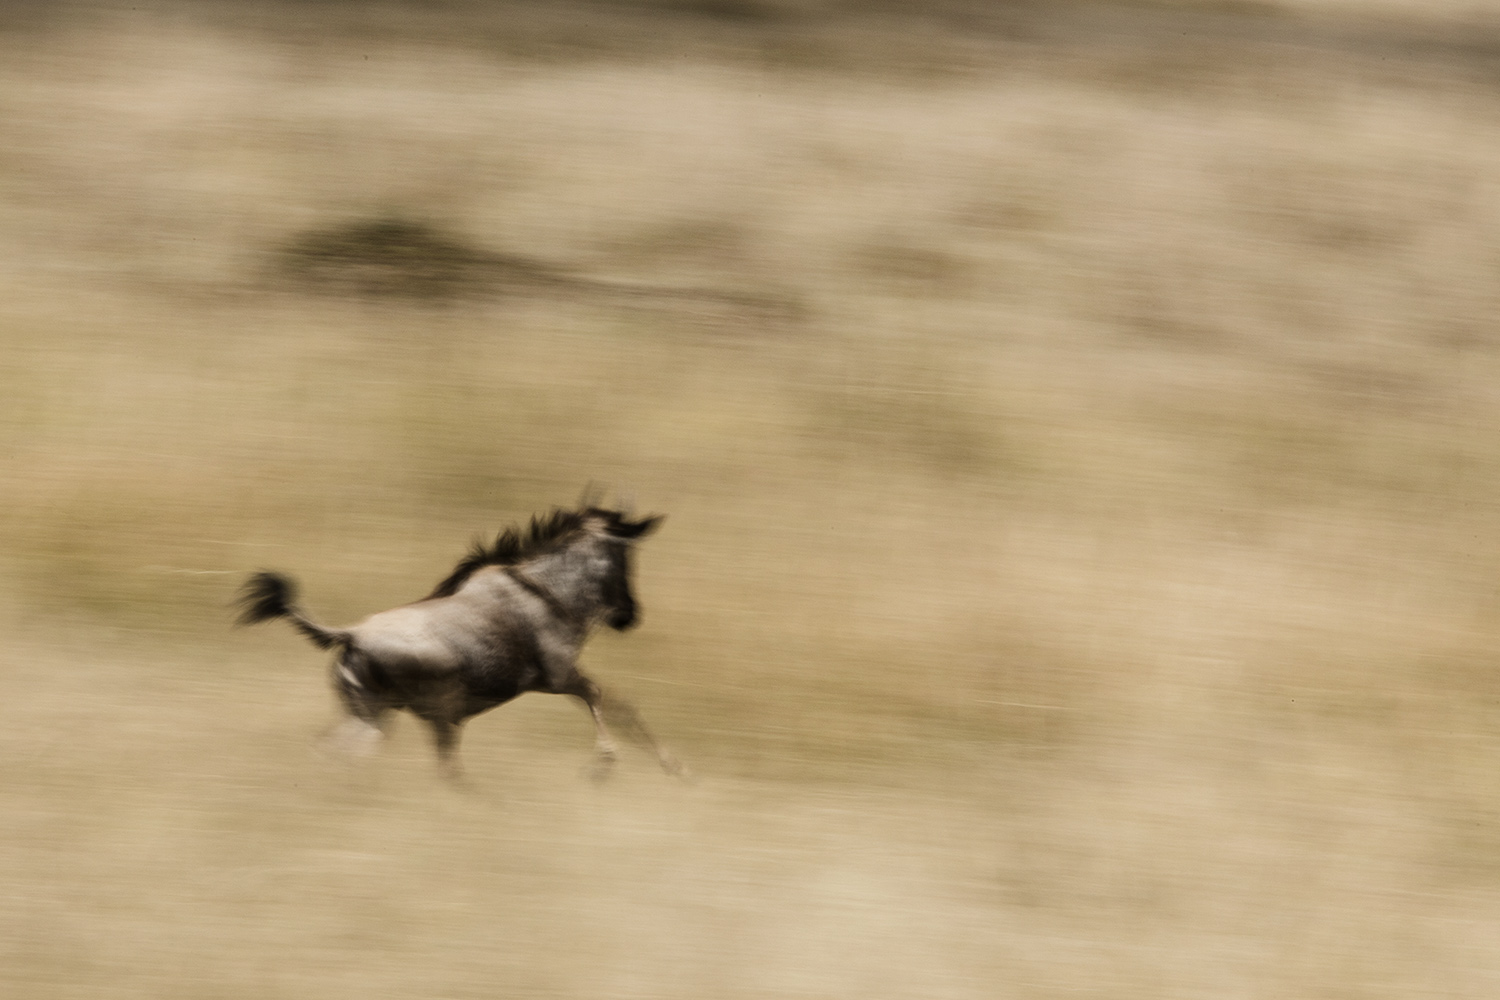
x=624 y=715
x=588 y=692
x=445 y=740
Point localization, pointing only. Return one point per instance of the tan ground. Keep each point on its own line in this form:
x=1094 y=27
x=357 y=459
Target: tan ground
x=1080 y=443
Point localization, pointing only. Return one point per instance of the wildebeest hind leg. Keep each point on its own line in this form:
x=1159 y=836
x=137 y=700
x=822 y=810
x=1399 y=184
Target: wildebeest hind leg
x=355 y=737
x=364 y=727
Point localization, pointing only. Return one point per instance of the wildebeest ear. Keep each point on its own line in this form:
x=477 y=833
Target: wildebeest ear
x=638 y=529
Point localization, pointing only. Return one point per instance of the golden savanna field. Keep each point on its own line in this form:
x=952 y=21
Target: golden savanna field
x=1078 y=426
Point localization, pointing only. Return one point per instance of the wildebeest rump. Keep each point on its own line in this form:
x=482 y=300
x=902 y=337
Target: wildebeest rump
x=510 y=618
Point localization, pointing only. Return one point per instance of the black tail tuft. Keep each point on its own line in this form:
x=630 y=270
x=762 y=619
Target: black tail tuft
x=265 y=596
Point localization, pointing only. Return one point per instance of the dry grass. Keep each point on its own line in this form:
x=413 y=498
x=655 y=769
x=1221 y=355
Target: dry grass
x=1079 y=459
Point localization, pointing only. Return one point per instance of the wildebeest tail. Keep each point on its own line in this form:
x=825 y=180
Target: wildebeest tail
x=270 y=595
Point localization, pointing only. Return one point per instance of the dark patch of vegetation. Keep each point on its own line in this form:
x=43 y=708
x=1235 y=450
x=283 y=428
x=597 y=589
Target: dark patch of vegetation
x=747 y=11
x=403 y=258
x=912 y=269
x=416 y=260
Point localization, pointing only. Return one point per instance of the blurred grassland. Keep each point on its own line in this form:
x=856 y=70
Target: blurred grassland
x=1079 y=446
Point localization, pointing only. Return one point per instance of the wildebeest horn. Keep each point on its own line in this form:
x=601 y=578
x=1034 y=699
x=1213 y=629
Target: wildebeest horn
x=627 y=505
x=591 y=495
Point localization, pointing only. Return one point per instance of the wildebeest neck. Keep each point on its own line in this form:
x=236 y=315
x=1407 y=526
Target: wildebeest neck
x=544 y=594
x=569 y=581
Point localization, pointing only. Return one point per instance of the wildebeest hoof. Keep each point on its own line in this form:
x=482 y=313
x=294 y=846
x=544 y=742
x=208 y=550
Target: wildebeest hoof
x=602 y=768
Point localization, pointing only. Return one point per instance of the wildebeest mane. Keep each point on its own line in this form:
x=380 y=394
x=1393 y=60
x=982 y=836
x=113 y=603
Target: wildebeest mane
x=543 y=535
x=512 y=546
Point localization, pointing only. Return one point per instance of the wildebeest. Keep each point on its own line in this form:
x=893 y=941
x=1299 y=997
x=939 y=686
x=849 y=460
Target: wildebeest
x=510 y=618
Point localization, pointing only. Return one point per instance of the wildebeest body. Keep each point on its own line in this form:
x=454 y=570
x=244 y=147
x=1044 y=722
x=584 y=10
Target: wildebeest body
x=511 y=618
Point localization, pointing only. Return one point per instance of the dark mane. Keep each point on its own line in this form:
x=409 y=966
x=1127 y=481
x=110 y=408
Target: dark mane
x=512 y=546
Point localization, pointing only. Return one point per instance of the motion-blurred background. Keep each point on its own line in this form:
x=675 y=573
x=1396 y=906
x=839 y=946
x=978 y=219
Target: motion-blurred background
x=1079 y=426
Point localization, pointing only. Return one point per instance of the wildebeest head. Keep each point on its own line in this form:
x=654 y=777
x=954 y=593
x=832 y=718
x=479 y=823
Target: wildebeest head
x=615 y=533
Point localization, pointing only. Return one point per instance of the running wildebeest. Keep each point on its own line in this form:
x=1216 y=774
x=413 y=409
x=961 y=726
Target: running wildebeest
x=510 y=618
